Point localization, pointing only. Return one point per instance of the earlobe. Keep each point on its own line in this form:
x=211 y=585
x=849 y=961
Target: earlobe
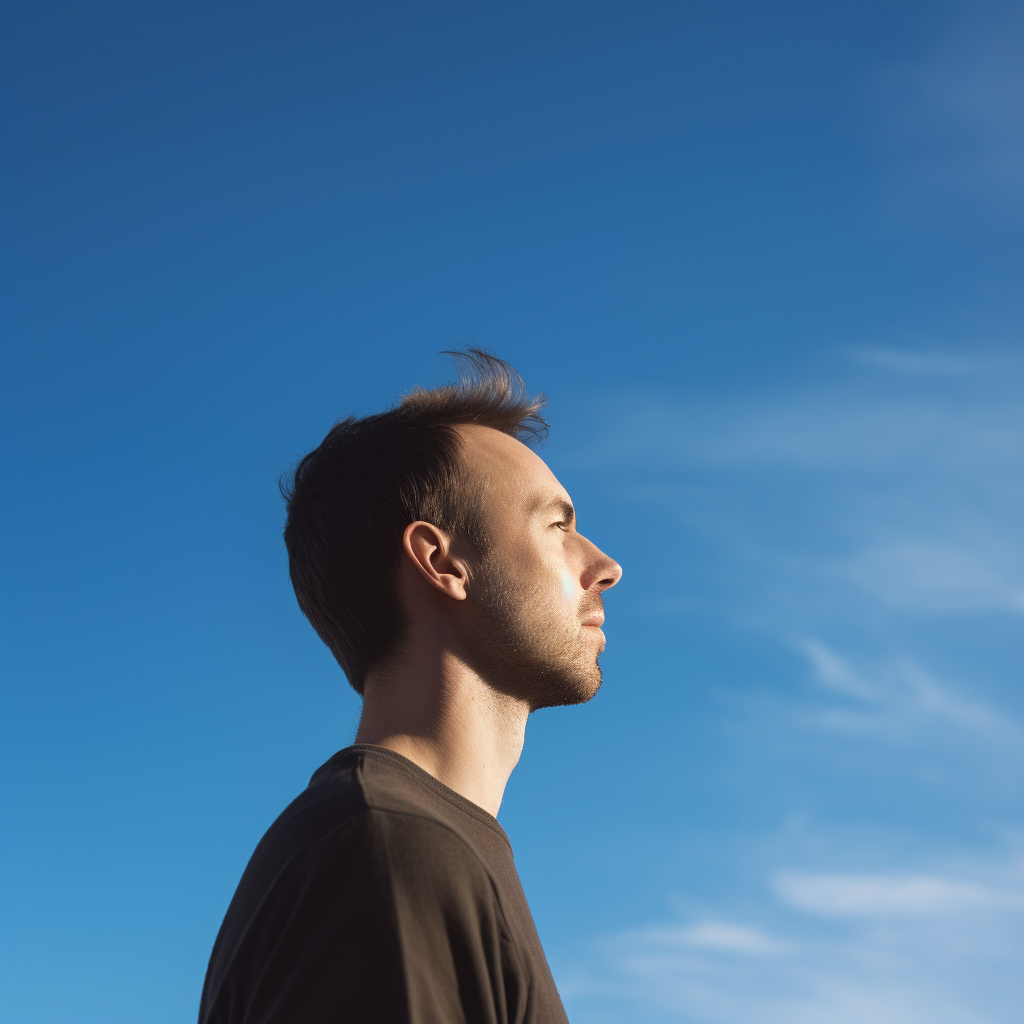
x=430 y=551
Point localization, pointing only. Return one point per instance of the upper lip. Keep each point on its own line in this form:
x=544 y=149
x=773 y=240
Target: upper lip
x=594 y=619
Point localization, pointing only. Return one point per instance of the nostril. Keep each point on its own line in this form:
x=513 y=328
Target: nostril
x=614 y=576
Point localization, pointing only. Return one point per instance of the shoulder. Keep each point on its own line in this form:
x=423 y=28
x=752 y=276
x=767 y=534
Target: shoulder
x=391 y=846
x=371 y=820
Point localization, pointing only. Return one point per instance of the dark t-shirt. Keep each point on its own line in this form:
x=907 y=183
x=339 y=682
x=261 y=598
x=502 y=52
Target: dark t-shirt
x=380 y=895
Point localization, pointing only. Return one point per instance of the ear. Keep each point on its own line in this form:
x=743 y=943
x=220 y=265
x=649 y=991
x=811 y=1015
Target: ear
x=430 y=551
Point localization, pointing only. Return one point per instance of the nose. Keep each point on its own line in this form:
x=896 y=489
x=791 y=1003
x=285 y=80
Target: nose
x=602 y=572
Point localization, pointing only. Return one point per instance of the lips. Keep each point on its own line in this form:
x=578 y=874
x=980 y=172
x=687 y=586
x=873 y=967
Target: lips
x=592 y=611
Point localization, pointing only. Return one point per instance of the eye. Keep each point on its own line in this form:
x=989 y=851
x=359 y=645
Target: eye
x=562 y=525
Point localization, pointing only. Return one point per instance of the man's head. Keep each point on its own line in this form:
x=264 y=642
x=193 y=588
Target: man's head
x=446 y=469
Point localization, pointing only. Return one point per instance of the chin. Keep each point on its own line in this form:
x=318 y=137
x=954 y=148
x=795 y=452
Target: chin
x=567 y=690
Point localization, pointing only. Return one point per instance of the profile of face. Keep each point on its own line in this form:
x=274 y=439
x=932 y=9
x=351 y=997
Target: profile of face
x=535 y=594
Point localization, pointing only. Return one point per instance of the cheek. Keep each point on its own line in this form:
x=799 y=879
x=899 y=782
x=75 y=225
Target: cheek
x=568 y=586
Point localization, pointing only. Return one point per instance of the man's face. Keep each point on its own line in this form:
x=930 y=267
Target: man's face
x=535 y=603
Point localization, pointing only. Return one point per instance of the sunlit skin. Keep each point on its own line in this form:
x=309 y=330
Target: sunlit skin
x=490 y=636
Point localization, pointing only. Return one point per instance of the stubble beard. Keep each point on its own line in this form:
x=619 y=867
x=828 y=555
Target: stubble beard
x=528 y=648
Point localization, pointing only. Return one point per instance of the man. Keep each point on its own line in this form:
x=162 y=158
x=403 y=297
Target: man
x=438 y=558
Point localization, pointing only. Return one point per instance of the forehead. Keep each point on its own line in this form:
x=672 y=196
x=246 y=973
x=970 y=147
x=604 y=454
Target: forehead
x=506 y=466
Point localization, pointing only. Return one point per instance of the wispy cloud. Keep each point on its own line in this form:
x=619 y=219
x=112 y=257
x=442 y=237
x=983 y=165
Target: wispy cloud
x=721 y=936
x=883 y=896
x=899 y=698
x=911 y=948
x=947 y=414
x=914 y=363
x=851 y=495
x=926 y=575
x=834 y=673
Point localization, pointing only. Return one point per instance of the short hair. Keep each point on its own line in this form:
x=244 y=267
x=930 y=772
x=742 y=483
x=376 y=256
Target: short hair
x=350 y=499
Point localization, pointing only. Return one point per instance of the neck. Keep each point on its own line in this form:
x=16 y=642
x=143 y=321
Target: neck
x=442 y=716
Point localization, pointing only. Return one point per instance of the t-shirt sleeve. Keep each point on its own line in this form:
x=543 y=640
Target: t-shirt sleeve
x=391 y=920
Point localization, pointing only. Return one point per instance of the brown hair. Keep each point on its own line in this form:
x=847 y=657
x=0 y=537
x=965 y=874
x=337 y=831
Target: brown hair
x=350 y=499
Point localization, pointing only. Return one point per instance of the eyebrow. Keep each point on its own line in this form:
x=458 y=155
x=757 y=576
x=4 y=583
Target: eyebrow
x=562 y=506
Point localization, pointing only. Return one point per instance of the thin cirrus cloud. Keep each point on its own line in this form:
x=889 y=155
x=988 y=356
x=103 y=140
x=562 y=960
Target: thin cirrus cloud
x=871 y=412
x=720 y=936
x=883 y=896
x=900 y=699
x=901 y=948
x=918 y=574
x=930 y=364
x=866 y=487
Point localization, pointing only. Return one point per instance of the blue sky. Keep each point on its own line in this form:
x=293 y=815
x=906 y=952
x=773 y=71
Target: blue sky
x=765 y=260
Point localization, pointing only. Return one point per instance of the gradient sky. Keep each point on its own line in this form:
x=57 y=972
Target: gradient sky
x=765 y=260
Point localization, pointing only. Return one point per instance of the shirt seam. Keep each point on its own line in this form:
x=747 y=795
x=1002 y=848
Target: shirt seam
x=417 y=774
